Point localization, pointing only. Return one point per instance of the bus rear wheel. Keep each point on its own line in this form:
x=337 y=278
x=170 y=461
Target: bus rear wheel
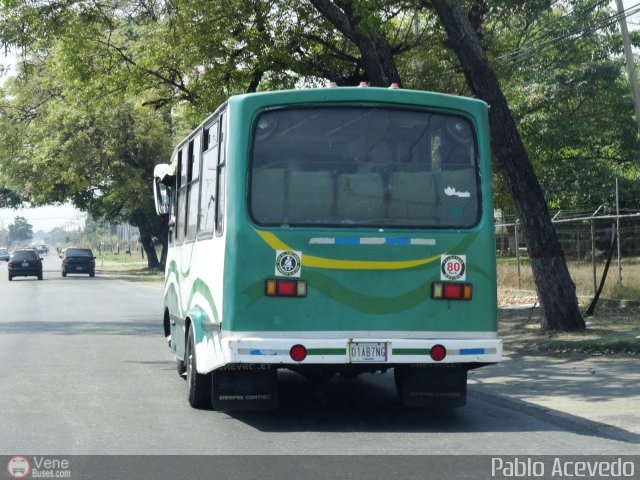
x=181 y=366
x=198 y=384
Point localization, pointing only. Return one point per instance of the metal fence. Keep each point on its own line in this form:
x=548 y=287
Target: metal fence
x=586 y=239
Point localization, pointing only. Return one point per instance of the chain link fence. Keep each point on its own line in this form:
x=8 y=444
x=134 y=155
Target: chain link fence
x=586 y=239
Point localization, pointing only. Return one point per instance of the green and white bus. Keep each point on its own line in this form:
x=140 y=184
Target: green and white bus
x=331 y=231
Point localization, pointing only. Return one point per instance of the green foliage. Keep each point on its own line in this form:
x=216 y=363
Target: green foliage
x=20 y=231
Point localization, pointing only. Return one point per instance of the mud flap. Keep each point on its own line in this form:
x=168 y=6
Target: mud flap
x=241 y=387
x=426 y=385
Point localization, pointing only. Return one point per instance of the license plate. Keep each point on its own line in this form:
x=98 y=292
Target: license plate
x=368 y=351
x=78 y=268
x=25 y=264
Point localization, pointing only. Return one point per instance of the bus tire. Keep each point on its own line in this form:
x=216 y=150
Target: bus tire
x=181 y=366
x=198 y=384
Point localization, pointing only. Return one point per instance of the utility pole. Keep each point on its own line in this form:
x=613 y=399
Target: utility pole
x=631 y=67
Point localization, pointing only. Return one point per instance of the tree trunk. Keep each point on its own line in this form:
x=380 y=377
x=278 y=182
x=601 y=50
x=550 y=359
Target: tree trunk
x=149 y=248
x=153 y=229
x=377 y=58
x=556 y=290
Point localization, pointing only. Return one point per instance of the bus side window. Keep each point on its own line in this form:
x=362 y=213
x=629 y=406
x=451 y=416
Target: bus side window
x=181 y=196
x=193 y=175
x=221 y=179
x=209 y=168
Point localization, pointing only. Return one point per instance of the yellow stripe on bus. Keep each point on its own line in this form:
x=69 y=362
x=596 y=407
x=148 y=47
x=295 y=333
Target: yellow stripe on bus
x=318 y=262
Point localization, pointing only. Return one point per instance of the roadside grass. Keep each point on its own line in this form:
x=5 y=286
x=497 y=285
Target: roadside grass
x=611 y=330
x=129 y=270
x=512 y=277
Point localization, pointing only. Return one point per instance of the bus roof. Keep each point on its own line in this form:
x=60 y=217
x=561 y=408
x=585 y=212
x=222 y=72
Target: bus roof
x=325 y=95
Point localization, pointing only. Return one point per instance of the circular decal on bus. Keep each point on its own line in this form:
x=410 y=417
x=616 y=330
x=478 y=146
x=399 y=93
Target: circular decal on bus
x=288 y=263
x=453 y=267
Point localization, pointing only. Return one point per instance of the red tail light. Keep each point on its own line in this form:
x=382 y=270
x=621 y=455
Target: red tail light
x=298 y=353
x=451 y=291
x=11 y=264
x=438 y=352
x=65 y=260
x=286 y=288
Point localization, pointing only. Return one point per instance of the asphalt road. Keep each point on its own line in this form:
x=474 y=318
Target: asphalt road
x=85 y=370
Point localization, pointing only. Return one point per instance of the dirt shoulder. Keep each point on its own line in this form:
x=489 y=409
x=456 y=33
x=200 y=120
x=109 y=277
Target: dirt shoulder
x=133 y=272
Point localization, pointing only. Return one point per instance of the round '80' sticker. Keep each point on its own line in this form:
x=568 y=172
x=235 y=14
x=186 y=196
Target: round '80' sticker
x=288 y=263
x=453 y=267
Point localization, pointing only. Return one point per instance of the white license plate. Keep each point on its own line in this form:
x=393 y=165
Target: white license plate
x=25 y=264
x=368 y=351
x=78 y=268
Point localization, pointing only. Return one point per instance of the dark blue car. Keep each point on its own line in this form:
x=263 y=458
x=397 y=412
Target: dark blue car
x=78 y=260
x=25 y=263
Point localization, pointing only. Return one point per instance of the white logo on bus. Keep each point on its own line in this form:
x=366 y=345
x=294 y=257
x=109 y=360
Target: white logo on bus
x=453 y=267
x=288 y=263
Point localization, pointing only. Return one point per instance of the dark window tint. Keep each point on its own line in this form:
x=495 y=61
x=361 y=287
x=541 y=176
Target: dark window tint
x=78 y=252
x=364 y=166
x=25 y=255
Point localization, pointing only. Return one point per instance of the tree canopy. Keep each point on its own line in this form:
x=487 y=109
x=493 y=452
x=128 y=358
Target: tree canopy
x=20 y=231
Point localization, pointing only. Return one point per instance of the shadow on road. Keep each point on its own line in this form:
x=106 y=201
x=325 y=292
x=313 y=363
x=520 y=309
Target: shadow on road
x=369 y=404
x=124 y=326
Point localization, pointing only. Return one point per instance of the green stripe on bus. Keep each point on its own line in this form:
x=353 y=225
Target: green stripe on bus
x=327 y=351
x=411 y=351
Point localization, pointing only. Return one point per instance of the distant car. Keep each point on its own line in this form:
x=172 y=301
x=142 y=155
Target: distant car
x=4 y=255
x=25 y=263
x=78 y=260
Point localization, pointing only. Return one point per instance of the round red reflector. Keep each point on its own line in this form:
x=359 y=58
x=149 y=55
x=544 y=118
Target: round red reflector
x=438 y=352
x=298 y=353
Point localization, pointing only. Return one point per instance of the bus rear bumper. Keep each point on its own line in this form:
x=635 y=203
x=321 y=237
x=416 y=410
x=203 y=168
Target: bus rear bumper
x=341 y=351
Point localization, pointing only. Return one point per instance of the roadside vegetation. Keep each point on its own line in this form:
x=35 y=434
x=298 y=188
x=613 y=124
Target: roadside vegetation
x=614 y=329
x=512 y=278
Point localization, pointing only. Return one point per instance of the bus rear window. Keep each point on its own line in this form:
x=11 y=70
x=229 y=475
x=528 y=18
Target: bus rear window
x=378 y=167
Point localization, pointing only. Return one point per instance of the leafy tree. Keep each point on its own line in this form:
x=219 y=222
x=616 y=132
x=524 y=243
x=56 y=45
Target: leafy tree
x=98 y=155
x=20 y=231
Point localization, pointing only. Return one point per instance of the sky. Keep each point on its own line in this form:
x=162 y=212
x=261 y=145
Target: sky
x=45 y=218
x=48 y=218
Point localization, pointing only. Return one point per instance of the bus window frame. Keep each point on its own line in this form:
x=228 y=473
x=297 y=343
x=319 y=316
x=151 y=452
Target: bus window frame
x=179 y=187
x=221 y=171
x=429 y=110
x=194 y=158
x=213 y=122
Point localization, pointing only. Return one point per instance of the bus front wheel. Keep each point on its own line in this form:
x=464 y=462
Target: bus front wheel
x=198 y=384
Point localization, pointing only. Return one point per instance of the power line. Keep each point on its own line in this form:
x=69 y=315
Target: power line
x=528 y=52
x=523 y=54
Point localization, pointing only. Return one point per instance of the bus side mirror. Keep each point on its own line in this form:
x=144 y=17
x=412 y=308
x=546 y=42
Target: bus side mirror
x=162 y=197
x=162 y=179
